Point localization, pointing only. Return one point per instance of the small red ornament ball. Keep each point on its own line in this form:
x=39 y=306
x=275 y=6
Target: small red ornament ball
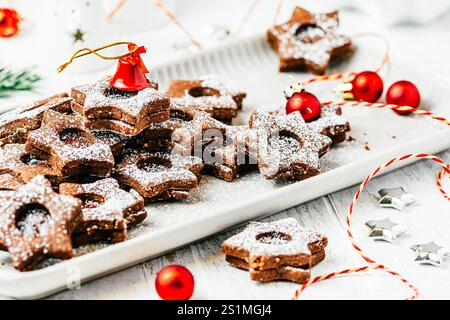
x=306 y=103
x=403 y=93
x=9 y=22
x=174 y=282
x=367 y=86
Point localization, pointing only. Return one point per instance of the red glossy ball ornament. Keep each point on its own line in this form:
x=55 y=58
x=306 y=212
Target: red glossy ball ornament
x=131 y=70
x=367 y=86
x=403 y=93
x=9 y=22
x=174 y=282
x=306 y=103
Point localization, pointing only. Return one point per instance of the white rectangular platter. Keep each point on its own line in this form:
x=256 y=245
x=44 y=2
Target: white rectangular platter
x=217 y=205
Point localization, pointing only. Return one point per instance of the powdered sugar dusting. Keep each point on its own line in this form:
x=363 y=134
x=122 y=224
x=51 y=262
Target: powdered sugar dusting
x=296 y=243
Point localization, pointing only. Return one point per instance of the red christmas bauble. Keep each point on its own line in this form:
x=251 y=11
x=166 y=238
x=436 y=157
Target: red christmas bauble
x=306 y=103
x=9 y=22
x=367 y=86
x=403 y=93
x=174 y=282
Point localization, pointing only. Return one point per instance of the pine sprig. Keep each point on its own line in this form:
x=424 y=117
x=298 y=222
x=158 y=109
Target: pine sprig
x=12 y=81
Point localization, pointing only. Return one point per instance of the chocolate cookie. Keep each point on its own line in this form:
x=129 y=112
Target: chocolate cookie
x=101 y=101
x=158 y=174
x=106 y=210
x=309 y=41
x=207 y=93
x=228 y=156
x=287 y=147
x=294 y=274
x=15 y=125
x=71 y=149
x=184 y=132
x=36 y=223
x=24 y=166
x=276 y=250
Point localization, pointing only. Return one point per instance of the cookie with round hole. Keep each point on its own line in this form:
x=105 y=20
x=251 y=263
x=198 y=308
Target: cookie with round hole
x=208 y=92
x=36 y=223
x=107 y=210
x=71 y=148
x=309 y=42
x=158 y=174
x=271 y=245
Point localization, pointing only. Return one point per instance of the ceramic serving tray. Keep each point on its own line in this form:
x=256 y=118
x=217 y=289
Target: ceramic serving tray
x=218 y=205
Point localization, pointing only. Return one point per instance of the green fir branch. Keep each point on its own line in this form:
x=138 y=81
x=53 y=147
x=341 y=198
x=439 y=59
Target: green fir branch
x=13 y=81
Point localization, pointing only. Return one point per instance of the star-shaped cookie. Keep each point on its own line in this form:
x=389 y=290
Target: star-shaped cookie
x=158 y=174
x=208 y=92
x=271 y=245
x=309 y=41
x=107 y=210
x=36 y=223
x=70 y=148
x=287 y=147
x=25 y=166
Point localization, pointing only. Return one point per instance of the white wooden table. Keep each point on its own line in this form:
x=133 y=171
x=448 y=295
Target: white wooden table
x=428 y=220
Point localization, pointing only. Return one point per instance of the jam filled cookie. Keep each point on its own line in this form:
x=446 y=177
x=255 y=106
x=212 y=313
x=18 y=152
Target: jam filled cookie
x=70 y=148
x=107 y=210
x=158 y=174
x=309 y=41
x=106 y=108
x=287 y=147
x=15 y=125
x=265 y=248
x=210 y=93
x=25 y=166
x=36 y=223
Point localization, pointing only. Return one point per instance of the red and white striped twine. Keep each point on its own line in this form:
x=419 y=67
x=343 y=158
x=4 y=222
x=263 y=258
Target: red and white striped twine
x=372 y=264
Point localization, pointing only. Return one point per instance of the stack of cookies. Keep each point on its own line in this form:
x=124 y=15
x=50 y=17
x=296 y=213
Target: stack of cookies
x=128 y=113
x=280 y=250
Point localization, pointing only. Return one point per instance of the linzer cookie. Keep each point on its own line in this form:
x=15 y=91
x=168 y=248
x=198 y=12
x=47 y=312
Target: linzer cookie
x=106 y=108
x=287 y=147
x=158 y=174
x=294 y=274
x=309 y=41
x=24 y=166
x=15 y=125
x=331 y=123
x=228 y=155
x=276 y=250
x=186 y=130
x=207 y=93
x=107 y=210
x=70 y=148
x=36 y=223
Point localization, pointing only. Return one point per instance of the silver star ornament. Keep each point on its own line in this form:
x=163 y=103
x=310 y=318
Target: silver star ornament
x=430 y=253
x=396 y=198
x=385 y=230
